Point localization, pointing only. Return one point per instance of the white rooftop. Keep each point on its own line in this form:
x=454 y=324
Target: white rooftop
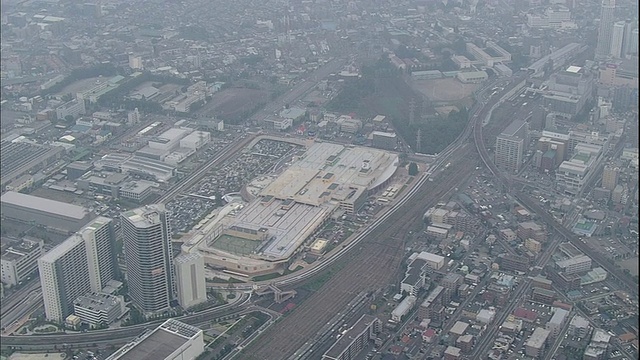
x=574 y=69
x=559 y=316
x=74 y=240
x=427 y=256
x=538 y=338
x=326 y=164
x=44 y=205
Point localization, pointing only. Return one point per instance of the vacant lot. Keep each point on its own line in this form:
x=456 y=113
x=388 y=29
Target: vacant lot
x=631 y=264
x=235 y=103
x=444 y=90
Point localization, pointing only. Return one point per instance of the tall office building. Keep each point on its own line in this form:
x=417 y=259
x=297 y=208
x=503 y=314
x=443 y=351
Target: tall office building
x=83 y=263
x=605 y=29
x=190 y=280
x=511 y=144
x=617 y=39
x=147 y=251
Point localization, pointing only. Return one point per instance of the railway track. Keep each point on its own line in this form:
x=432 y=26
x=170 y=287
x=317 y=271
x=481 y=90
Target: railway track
x=366 y=268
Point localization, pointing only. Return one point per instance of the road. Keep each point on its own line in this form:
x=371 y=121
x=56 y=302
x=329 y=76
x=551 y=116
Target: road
x=226 y=153
x=120 y=335
x=29 y=304
x=483 y=346
x=14 y=299
x=376 y=245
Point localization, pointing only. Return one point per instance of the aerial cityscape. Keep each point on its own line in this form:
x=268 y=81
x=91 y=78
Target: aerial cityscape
x=319 y=179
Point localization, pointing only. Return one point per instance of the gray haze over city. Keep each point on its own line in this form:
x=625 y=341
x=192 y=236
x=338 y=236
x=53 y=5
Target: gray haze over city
x=319 y=179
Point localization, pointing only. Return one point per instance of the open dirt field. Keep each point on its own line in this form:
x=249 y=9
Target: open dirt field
x=631 y=264
x=234 y=102
x=444 y=90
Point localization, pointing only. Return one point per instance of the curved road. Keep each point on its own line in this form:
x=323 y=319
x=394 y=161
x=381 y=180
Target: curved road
x=124 y=334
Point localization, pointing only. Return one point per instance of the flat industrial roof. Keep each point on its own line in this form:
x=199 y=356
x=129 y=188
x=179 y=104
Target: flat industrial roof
x=44 y=205
x=159 y=344
x=173 y=134
x=324 y=164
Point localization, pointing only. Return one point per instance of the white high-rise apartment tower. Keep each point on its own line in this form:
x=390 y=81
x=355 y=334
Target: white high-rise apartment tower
x=83 y=263
x=632 y=42
x=147 y=251
x=617 y=39
x=190 y=279
x=605 y=29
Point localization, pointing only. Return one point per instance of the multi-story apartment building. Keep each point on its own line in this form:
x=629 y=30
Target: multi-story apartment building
x=147 y=245
x=355 y=339
x=574 y=265
x=190 y=280
x=535 y=345
x=83 y=263
x=557 y=321
x=511 y=144
x=531 y=230
x=617 y=39
x=605 y=29
x=610 y=177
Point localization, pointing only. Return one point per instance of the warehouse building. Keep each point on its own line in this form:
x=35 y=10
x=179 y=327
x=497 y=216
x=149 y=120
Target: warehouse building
x=195 y=140
x=18 y=158
x=172 y=340
x=52 y=214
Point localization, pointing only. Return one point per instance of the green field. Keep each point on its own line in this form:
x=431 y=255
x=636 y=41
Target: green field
x=586 y=226
x=235 y=245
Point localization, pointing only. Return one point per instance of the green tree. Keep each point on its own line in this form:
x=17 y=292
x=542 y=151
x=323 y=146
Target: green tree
x=413 y=169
